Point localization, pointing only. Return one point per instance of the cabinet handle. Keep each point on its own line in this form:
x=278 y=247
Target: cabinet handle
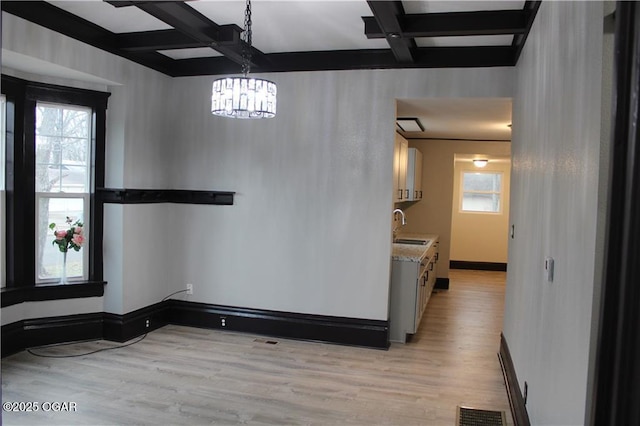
x=415 y=194
x=426 y=277
x=437 y=256
x=431 y=266
x=407 y=193
x=420 y=193
x=400 y=193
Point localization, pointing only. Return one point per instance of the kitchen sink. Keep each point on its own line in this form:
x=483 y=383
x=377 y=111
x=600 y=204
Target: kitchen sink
x=414 y=241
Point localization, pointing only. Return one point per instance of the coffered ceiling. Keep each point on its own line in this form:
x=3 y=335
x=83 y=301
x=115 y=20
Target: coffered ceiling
x=203 y=37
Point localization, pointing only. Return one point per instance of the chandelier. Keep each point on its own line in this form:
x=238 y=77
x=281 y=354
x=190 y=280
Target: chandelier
x=244 y=97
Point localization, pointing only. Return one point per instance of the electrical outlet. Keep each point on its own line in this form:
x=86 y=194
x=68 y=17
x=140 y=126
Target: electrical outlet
x=189 y=288
x=548 y=268
x=146 y=323
x=223 y=322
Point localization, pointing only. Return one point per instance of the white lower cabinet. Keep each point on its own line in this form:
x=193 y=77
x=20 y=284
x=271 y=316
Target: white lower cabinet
x=412 y=282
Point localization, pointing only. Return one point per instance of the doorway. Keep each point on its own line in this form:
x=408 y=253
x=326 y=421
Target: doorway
x=452 y=127
x=480 y=211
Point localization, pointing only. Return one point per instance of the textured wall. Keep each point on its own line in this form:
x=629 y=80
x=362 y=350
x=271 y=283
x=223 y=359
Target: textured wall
x=136 y=151
x=310 y=230
x=554 y=206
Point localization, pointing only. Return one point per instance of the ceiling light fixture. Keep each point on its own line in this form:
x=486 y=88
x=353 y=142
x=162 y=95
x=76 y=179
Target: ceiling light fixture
x=244 y=97
x=480 y=162
x=409 y=124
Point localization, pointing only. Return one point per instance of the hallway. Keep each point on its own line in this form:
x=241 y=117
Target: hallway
x=181 y=375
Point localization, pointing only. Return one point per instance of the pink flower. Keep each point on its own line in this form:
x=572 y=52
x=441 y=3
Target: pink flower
x=78 y=240
x=60 y=235
x=77 y=230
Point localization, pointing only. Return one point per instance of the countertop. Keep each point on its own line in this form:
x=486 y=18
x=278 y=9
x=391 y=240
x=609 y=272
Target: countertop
x=412 y=252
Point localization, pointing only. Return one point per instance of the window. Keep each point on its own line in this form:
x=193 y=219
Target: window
x=63 y=149
x=55 y=138
x=481 y=192
x=3 y=115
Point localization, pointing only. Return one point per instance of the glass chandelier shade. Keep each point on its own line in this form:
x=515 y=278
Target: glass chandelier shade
x=243 y=97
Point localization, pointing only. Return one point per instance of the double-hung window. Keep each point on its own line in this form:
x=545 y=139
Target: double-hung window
x=55 y=145
x=63 y=179
x=481 y=192
x=3 y=115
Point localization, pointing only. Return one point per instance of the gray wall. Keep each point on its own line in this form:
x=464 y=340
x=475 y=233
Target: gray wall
x=310 y=229
x=554 y=206
x=137 y=146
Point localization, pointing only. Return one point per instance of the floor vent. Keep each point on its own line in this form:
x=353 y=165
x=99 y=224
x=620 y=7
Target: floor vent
x=474 y=417
x=268 y=342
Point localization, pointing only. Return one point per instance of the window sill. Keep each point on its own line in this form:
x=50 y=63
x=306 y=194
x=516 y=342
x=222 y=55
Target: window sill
x=14 y=295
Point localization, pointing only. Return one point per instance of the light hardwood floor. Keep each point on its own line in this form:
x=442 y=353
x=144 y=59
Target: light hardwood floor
x=180 y=375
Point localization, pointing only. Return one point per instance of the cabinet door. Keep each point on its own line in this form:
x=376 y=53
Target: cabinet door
x=400 y=157
x=396 y=168
x=414 y=175
x=421 y=294
x=417 y=175
x=402 y=176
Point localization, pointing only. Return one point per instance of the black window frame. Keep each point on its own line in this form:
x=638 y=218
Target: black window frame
x=21 y=98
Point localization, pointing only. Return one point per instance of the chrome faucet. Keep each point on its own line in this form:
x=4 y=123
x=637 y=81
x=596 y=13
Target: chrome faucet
x=404 y=222
x=404 y=219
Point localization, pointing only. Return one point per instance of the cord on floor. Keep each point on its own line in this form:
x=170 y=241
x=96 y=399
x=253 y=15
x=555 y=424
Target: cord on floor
x=140 y=339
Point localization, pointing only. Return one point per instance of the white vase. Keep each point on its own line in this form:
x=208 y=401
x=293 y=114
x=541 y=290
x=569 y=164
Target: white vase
x=63 y=275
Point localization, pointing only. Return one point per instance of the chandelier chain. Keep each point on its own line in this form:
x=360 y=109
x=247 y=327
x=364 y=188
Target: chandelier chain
x=246 y=46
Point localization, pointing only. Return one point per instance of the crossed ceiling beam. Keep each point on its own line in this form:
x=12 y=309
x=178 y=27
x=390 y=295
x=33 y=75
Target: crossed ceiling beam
x=387 y=17
x=497 y=22
x=191 y=29
x=400 y=29
x=189 y=24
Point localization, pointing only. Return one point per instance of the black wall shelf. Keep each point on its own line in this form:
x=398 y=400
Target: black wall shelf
x=181 y=196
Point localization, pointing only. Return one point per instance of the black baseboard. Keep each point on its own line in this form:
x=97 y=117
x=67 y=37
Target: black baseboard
x=478 y=266
x=121 y=328
x=516 y=401
x=13 y=338
x=341 y=330
x=441 y=284
x=30 y=333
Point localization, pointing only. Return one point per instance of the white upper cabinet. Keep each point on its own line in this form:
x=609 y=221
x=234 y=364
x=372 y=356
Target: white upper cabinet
x=407 y=171
x=414 y=175
x=400 y=159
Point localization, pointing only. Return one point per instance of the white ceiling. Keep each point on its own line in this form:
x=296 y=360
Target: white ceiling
x=291 y=26
x=325 y=25
x=459 y=118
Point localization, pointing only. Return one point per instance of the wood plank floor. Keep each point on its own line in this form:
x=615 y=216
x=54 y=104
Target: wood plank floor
x=180 y=375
